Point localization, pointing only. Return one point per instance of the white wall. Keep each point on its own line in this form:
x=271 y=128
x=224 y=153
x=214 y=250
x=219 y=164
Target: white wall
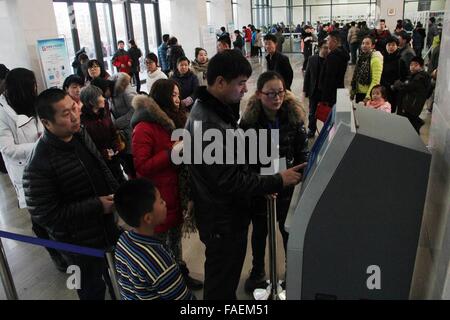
x=22 y=23
x=383 y=6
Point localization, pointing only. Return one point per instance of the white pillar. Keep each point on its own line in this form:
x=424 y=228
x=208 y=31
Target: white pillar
x=22 y=23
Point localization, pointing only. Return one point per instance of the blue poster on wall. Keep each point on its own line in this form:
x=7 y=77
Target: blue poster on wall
x=54 y=60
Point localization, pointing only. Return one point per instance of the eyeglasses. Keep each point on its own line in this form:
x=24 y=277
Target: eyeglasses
x=273 y=95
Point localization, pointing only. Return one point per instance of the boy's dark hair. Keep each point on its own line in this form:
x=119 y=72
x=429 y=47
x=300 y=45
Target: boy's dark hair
x=229 y=64
x=225 y=39
x=418 y=60
x=372 y=39
x=120 y=41
x=392 y=39
x=45 y=102
x=134 y=199
x=336 y=36
x=383 y=91
x=73 y=78
x=432 y=19
x=237 y=32
x=353 y=23
x=222 y=29
x=165 y=37
x=271 y=37
x=172 y=41
x=183 y=58
x=382 y=20
x=405 y=36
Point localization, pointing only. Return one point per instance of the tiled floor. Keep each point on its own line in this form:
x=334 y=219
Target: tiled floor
x=36 y=278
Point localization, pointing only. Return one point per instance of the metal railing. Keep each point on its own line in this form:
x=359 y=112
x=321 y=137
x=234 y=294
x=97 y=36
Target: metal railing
x=5 y=272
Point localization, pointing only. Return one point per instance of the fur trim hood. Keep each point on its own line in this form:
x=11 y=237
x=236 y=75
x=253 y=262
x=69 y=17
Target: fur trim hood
x=146 y=109
x=294 y=108
x=121 y=80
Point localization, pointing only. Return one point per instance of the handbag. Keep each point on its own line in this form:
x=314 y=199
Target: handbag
x=322 y=111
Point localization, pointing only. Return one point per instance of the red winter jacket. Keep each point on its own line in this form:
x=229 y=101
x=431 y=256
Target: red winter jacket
x=120 y=58
x=151 y=147
x=248 y=35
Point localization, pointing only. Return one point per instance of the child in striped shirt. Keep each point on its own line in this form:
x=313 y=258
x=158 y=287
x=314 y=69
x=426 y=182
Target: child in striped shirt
x=146 y=270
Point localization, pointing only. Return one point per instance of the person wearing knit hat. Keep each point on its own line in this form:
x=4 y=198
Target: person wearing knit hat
x=200 y=65
x=154 y=73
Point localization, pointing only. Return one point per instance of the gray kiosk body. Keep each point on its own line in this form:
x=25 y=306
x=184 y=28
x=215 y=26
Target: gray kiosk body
x=355 y=221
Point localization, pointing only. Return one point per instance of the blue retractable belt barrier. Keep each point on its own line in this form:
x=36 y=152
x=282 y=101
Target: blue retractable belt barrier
x=53 y=244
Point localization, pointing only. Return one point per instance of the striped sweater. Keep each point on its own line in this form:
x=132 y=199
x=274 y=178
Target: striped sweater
x=147 y=271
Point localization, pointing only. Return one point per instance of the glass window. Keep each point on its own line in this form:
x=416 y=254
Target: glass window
x=318 y=1
x=349 y=13
x=297 y=16
x=119 y=21
x=151 y=29
x=136 y=16
x=235 y=14
x=279 y=15
x=320 y=13
x=279 y=3
x=104 y=23
x=84 y=26
x=64 y=26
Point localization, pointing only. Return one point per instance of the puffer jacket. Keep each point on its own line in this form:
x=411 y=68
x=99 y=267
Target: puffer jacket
x=188 y=84
x=293 y=140
x=413 y=93
x=152 y=129
x=222 y=193
x=18 y=136
x=352 y=36
x=120 y=105
x=61 y=196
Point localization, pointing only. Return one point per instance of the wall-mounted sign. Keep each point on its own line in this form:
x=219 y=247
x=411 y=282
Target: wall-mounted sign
x=391 y=12
x=54 y=60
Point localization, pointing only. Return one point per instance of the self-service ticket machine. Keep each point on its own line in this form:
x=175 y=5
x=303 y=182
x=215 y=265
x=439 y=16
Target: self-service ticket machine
x=355 y=221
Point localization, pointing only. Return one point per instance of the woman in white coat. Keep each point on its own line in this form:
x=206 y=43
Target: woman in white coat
x=19 y=130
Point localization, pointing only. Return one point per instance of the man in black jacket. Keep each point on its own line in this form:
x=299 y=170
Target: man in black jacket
x=311 y=85
x=278 y=62
x=334 y=68
x=68 y=188
x=222 y=192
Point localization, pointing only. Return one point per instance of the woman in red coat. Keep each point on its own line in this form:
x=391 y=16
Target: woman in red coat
x=153 y=122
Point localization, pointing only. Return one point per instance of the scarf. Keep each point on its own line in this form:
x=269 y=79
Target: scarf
x=362 y=71
x=200 y=67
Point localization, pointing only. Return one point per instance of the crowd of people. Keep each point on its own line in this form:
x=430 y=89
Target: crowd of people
x=78 y=154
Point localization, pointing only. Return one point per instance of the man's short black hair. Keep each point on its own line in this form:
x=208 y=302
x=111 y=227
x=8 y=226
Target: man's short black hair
x=353 y=23
x=120 y=41
x=392 y=39
x=405 y=36
x=336 y=36
x=432 y=19
x=270 y=37
x=225 y=39
x=134 y=199
x=72 y=79
x=45 y=102
x=229 y=64
x=166 y=37
x=222 y=29
x=382 y=20
x=419 y=60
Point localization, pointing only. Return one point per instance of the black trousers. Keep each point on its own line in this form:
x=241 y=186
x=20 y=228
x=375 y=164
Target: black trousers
x=259 y=234
x=137 y=80
x=354 y=49
x=225 y=256
x=312 y=121
x=40 y=232
x=416 y=121
x=94 y=276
